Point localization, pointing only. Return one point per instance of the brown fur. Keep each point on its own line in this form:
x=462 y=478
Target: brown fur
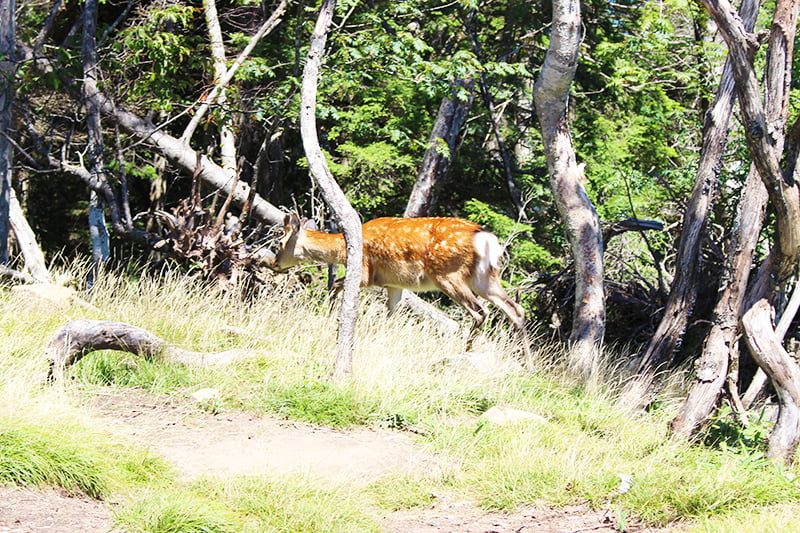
x=450 y=255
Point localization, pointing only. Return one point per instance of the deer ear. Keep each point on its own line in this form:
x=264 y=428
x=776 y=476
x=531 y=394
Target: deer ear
x=309 y=223
x=291 y=223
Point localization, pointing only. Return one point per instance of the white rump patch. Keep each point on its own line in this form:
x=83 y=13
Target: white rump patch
x=489 y=252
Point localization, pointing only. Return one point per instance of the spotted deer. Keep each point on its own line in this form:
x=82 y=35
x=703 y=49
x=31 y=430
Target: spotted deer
x=450 y=255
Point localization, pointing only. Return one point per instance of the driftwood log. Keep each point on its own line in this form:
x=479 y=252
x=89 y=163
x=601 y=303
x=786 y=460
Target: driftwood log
x=81 y=337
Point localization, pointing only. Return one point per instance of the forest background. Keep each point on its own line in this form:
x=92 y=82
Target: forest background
x=127 y=113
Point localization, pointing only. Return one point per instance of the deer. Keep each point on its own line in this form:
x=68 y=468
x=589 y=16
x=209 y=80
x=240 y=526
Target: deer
x=450 y=255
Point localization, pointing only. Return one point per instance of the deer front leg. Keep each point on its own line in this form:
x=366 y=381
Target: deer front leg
x=394 y=295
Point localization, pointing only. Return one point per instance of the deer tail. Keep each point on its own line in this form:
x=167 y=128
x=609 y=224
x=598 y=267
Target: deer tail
x=488 y=252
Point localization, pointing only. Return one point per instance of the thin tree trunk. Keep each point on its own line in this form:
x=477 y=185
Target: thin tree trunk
x=442 y=148
x=224 y=79
x=97 y=227
x=7 y=72
x=683 y=293
x=551 y=94
x=26 y=240
x=98 y=233
x=227 y=141
x=502 y=148
x=505 y=154
x=346 y=216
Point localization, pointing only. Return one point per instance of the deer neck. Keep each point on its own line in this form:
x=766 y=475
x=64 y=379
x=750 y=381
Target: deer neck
x=319 y=247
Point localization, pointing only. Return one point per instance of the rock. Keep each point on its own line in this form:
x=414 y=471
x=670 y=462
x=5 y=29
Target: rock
x=506 y=415
x=205 y=395
x=46 y=295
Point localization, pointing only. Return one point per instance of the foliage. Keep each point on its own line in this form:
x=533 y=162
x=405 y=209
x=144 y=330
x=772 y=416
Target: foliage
x=377 y=176
x=155 y=54
x=525 y=254
x=630 y=156
x=727 y=430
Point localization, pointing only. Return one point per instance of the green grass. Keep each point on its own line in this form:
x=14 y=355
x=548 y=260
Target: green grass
x=407 y=375
x=29 y=457
x=173 y=512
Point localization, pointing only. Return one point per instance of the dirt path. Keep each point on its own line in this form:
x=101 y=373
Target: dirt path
x=235 y=443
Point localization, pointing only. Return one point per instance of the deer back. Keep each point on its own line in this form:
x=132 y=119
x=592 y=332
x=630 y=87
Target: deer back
x=415 y=253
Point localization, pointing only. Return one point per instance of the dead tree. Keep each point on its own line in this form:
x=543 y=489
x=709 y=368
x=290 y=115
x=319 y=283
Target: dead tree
x=79 y=338
x=764 y=125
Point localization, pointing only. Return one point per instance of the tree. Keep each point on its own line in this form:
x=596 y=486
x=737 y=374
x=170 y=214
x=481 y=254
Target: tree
x=765 y=126
x=683 y=293
x=97 y=166
x=551 y=94
x=7 y=73
x=441 y=151
x=345 y=214
x=12 y=219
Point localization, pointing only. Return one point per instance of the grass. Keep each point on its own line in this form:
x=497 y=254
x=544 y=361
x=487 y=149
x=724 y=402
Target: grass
x=407 y=375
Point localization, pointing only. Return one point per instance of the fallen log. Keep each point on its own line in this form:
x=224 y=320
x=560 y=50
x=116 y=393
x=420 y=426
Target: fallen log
x=80 y=337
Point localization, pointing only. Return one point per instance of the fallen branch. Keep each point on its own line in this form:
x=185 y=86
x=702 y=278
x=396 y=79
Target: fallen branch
x=81 y=337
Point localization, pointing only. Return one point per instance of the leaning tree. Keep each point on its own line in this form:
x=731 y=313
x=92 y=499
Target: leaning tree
x=749 y=306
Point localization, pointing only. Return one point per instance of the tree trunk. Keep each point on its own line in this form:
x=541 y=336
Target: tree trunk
x=683 y=293
x=227 y=141
x=98 y=233
x=97 y=168
x=442 y=148
x=26 y=240
x=768 y=351
x=721 y=343
x=551 y=94
x=7 y=73
x=764 y=131
x=759 y=380
x=346 y=216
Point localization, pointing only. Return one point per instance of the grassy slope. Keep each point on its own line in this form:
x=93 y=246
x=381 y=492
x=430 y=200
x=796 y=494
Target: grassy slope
x=407 y=375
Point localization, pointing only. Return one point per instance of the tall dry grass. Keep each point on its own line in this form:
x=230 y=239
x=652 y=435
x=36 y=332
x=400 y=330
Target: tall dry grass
x=408 y=375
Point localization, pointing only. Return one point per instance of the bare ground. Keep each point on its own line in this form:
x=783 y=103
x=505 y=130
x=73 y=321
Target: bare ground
x=197 y=442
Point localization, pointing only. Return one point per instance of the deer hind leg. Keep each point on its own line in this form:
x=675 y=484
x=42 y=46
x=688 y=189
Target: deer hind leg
x=492 y=290
x=461 y=293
